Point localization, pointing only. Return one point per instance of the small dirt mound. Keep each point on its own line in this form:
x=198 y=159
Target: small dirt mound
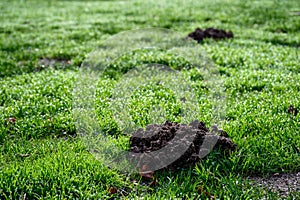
x=161 y=142
x=199 y=34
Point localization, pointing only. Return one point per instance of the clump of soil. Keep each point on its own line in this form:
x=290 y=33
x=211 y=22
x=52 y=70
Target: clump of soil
x=292 y=110
x=172 y=145
x=199 y=34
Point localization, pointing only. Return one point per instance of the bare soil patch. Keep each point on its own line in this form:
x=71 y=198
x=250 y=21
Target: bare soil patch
x=283 y=184
x=53 y=62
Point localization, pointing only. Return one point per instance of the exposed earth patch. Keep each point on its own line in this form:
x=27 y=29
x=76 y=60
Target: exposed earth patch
x=53 y=62
x=283 y=184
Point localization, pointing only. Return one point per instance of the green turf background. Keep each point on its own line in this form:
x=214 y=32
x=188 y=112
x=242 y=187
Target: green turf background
x=40 y=155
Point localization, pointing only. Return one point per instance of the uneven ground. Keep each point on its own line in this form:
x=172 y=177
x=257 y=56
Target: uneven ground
x=42 y=44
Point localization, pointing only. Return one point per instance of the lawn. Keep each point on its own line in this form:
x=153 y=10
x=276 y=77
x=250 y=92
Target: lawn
x=44 y=45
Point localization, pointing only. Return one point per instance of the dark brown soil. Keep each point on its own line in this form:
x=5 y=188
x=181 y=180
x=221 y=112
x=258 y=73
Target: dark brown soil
x=216 y=34
x=156 y=137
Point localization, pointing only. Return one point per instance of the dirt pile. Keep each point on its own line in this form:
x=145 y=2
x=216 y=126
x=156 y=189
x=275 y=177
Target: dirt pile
x=172 y=145
x=199 y=34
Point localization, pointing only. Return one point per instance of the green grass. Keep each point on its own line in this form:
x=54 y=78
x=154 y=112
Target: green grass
x=42 y=157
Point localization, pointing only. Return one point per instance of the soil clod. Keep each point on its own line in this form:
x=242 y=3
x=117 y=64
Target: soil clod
x=199 y=34
x=172 y=145
x=11 y=120
x=292 y=110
